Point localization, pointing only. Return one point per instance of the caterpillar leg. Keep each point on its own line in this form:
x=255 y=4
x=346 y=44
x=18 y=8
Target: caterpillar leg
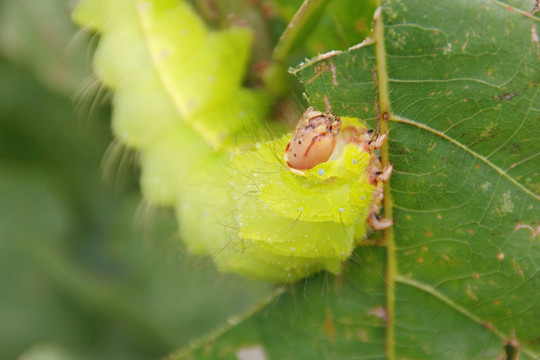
x=376 y=143
x=373 y=219
x=379 y=224
x=378 y=175
x=385 y=174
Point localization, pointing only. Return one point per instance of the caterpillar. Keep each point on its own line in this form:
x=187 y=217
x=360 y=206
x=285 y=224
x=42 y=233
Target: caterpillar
x=277 y=209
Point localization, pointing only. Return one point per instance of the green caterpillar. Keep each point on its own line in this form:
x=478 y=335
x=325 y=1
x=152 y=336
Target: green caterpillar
x=179 y=100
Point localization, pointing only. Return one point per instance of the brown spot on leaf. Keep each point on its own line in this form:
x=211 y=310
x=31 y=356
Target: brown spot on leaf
x=360 y=26
x=329 y=327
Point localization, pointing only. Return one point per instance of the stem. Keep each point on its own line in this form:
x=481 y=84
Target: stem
x=301 y=25
x=385 y=111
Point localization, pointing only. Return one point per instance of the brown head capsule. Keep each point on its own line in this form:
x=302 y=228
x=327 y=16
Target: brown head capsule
x=313 y=141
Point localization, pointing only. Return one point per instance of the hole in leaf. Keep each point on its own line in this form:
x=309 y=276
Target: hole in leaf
x=512 y=350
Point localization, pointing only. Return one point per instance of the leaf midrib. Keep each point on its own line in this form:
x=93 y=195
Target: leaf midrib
x=388 y=236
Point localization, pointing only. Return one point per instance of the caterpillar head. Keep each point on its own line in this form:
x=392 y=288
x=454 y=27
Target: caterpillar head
x=313 y=141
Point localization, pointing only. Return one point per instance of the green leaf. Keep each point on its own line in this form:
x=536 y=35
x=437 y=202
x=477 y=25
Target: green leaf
x=457 y=85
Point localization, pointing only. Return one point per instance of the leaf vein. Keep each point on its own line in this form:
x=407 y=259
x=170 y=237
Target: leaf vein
x=429 y=290
x=513 y=8
x=482 y=158
x=421 y=81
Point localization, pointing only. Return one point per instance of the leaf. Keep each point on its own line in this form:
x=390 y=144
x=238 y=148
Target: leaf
x=458 y=276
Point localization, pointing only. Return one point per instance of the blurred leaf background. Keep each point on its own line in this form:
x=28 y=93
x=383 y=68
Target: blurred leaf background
x=86 y=269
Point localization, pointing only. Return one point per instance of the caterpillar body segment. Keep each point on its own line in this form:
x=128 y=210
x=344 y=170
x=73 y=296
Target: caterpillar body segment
x=179 y=100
